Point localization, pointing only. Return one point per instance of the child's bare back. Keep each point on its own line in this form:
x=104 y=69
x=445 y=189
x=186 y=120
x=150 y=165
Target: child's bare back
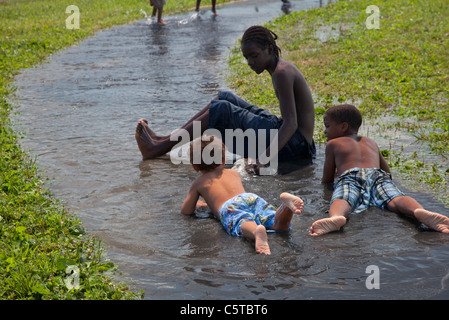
x=354 y=152
x=217 y=186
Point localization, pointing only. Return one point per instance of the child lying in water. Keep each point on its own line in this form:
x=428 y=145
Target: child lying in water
x=241 y=213
x=364 y=176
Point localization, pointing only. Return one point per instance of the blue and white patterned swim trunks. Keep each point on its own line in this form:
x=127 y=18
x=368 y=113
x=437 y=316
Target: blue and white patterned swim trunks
x=363 y=188
x=243 y=208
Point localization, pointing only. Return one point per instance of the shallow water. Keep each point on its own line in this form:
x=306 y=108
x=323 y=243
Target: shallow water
x=79 y=111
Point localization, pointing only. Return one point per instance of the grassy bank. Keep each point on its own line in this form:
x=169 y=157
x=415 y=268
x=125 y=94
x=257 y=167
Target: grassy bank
x=397 y=75
x=39 y=238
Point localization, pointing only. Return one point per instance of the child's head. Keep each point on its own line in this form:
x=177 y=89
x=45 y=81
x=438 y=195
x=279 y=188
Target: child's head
x=207 y=153
x=345 y=113
x=262 y=37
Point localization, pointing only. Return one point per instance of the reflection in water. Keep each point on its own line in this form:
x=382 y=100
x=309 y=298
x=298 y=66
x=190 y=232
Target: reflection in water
x=79 y=112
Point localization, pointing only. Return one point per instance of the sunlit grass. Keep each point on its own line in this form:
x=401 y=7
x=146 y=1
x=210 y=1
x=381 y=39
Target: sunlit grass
x=39 y=238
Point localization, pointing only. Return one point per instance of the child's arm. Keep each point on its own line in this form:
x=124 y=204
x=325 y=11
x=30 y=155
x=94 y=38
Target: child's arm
x=189 y=205
x=383 y=163
x=329 y=165
x=284 y=85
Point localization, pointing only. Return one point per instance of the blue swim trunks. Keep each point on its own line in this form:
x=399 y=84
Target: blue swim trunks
x=246 y=207
x=364 y=188
x=232 y=112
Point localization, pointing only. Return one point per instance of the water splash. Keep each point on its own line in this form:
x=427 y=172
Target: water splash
x=149 y=19
x=193 y=17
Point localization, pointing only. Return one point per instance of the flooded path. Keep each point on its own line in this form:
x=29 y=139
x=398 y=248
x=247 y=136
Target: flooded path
x=79 y=111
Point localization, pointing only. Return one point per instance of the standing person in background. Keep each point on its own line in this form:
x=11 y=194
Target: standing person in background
x=198 y=3
x=157 y=9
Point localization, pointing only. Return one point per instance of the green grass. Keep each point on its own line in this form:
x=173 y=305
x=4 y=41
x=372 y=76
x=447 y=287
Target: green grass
x=39 y=238
x=400 y=70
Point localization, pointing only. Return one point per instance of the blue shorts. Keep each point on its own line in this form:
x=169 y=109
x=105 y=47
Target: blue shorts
x=232 y=112
x=243 y=208
x=364 y=188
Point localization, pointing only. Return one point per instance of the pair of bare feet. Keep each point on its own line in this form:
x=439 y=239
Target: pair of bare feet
x=149 y=143
x=433 y=220
x=290 y=205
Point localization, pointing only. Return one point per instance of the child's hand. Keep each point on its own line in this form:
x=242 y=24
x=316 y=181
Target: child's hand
x=201 y=205
x=253 y=166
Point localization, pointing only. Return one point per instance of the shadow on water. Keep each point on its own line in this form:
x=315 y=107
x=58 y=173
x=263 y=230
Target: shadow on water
x=79 y=111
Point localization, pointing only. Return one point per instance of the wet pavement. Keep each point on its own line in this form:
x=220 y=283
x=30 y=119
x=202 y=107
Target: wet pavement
x=79 y=111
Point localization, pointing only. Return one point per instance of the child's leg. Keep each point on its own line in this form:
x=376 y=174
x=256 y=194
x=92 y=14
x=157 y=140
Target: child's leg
x=239 y=102
x=404 y=205
x=258 y=233
x=290 y=205
x=152 y=146
x=213 y=7
x=410 y=207
x=338 y=212
x=159 y=17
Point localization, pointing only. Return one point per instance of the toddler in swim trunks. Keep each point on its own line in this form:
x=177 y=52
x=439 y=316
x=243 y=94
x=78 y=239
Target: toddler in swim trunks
x=241 y=213
x=364 y=176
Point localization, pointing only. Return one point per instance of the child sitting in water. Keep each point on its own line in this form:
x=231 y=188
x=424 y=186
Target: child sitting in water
x=241 y=213
x=364 y=176
x=294 y=129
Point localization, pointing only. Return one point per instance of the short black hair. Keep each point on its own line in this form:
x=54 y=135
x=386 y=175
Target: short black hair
x=346 y=113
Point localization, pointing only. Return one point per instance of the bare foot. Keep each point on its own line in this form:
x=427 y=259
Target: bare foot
x=294 y=203
x=262 y=240
x=284 y=213
x=151 y=133
x=327 y=225
x=433 y=220
x=161 y=23
x=144 y=140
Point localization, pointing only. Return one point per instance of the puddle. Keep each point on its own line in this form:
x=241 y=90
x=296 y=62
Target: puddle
x=79 y=111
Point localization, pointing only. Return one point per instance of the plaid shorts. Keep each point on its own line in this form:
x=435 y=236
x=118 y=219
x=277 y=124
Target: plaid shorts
x=364 y=188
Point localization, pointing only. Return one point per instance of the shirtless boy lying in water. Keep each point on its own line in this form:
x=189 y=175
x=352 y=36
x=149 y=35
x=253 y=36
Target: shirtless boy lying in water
x=241 y=213
x=364 y=176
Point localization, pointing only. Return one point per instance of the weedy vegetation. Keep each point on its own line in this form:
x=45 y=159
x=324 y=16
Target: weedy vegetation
x=396 y=74
x=40 y=239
